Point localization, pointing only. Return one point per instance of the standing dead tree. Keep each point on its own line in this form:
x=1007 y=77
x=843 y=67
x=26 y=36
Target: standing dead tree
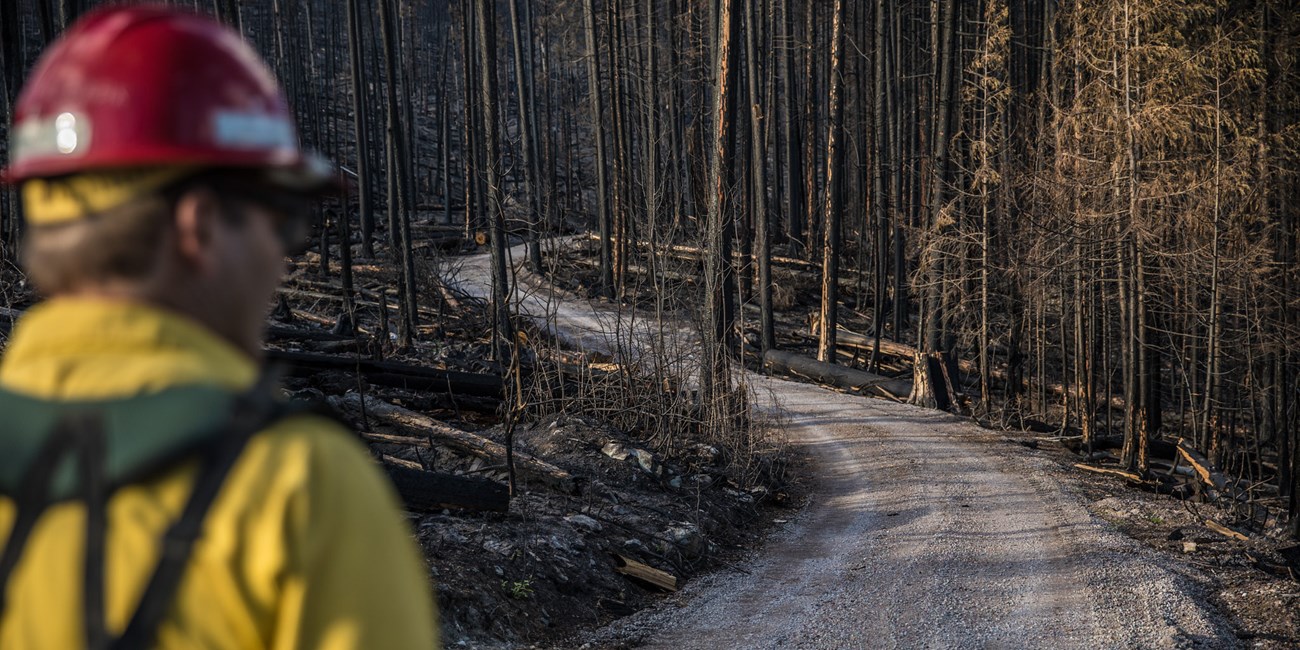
x=720 y=277
x=831 y=224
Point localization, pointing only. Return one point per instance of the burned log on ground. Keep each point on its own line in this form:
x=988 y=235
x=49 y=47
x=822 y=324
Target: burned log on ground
x=1156 y=448
x=1216 y=483
x=8 y=318
x=393 y=374
x=368 y=299
x=287 y=333
x=1225 y=531
x=847 y=338
x=901 y=351
x=527 y=467
x=828 y=373
x=423 y=491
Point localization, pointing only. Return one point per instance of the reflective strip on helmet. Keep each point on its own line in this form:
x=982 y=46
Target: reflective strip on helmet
x=65 y=134
x=237 y=130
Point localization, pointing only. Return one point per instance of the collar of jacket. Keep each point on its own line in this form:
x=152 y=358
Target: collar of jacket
x=88 y=349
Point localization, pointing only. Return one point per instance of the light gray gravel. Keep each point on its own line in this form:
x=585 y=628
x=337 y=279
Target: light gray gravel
x=919 y=534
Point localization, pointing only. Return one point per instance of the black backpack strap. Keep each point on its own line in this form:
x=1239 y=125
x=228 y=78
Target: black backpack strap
x=89 y=431
x=81 y=434
x=31 y=499
x=254 y=411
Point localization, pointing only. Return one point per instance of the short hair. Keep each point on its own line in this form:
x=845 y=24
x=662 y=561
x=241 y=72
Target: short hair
x=121 y=243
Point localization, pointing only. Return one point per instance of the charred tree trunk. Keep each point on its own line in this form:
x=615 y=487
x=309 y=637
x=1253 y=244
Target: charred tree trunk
x=881 y=121
x=603 y=217
x=834 y=192
x=946 y=55
x=528 y=141
x=399 y=175
x=758 y=163
x=504 y=341
x=794 y=199
x=361 y=124
x=720 y=276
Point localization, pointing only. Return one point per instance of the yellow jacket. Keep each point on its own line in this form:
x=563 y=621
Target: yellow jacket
x=304 y=547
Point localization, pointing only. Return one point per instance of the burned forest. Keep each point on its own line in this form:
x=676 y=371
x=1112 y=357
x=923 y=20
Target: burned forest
x=1072 y=223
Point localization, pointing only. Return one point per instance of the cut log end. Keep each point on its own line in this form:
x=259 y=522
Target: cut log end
x=645 y=573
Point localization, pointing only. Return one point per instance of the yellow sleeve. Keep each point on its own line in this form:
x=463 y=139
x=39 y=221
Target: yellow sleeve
x=355 y=578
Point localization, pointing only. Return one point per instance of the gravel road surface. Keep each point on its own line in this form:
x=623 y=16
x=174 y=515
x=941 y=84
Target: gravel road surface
x=923 y=531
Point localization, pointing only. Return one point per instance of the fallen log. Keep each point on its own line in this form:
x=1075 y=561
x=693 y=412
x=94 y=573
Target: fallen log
x=7 y=319
x=372 y=301
x=390 y=439
x=1171 y=469
x=392 y=373
x=1201 y=465
x=902 y=351
x=400 y=462
x=443 y=244
x=645 y=573
x=1156 y=449
x=365 y=296
x=526 y=466
x=281 y=332
x=907 y=353
x=1224 y=530
x=838 y=376
x=423 y=491
x=644 y=271
x=315 y=318
x=853 y=355
x=447 y=296
x=852 y=339
x=1110 y=472
x=695 y=254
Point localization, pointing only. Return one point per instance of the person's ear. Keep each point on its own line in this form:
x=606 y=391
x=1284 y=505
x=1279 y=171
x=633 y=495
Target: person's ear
x=196 y=215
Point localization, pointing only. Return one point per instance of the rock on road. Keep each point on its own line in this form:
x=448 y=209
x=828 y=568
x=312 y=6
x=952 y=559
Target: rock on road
x=922 y=531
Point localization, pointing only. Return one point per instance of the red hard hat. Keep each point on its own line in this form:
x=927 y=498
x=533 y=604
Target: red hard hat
x=155 y=86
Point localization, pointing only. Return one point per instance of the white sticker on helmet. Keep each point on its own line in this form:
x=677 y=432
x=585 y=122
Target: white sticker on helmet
x=66 y=134
x=238 y=130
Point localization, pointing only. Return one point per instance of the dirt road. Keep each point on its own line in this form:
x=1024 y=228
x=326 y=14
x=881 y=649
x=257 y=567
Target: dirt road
x=923 y=531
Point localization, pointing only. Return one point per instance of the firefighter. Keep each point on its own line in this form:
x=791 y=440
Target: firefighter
x=153 y=492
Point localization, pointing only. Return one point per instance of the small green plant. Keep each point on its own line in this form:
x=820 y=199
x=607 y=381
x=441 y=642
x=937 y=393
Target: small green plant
x=519 y=589
x=1156 y=519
